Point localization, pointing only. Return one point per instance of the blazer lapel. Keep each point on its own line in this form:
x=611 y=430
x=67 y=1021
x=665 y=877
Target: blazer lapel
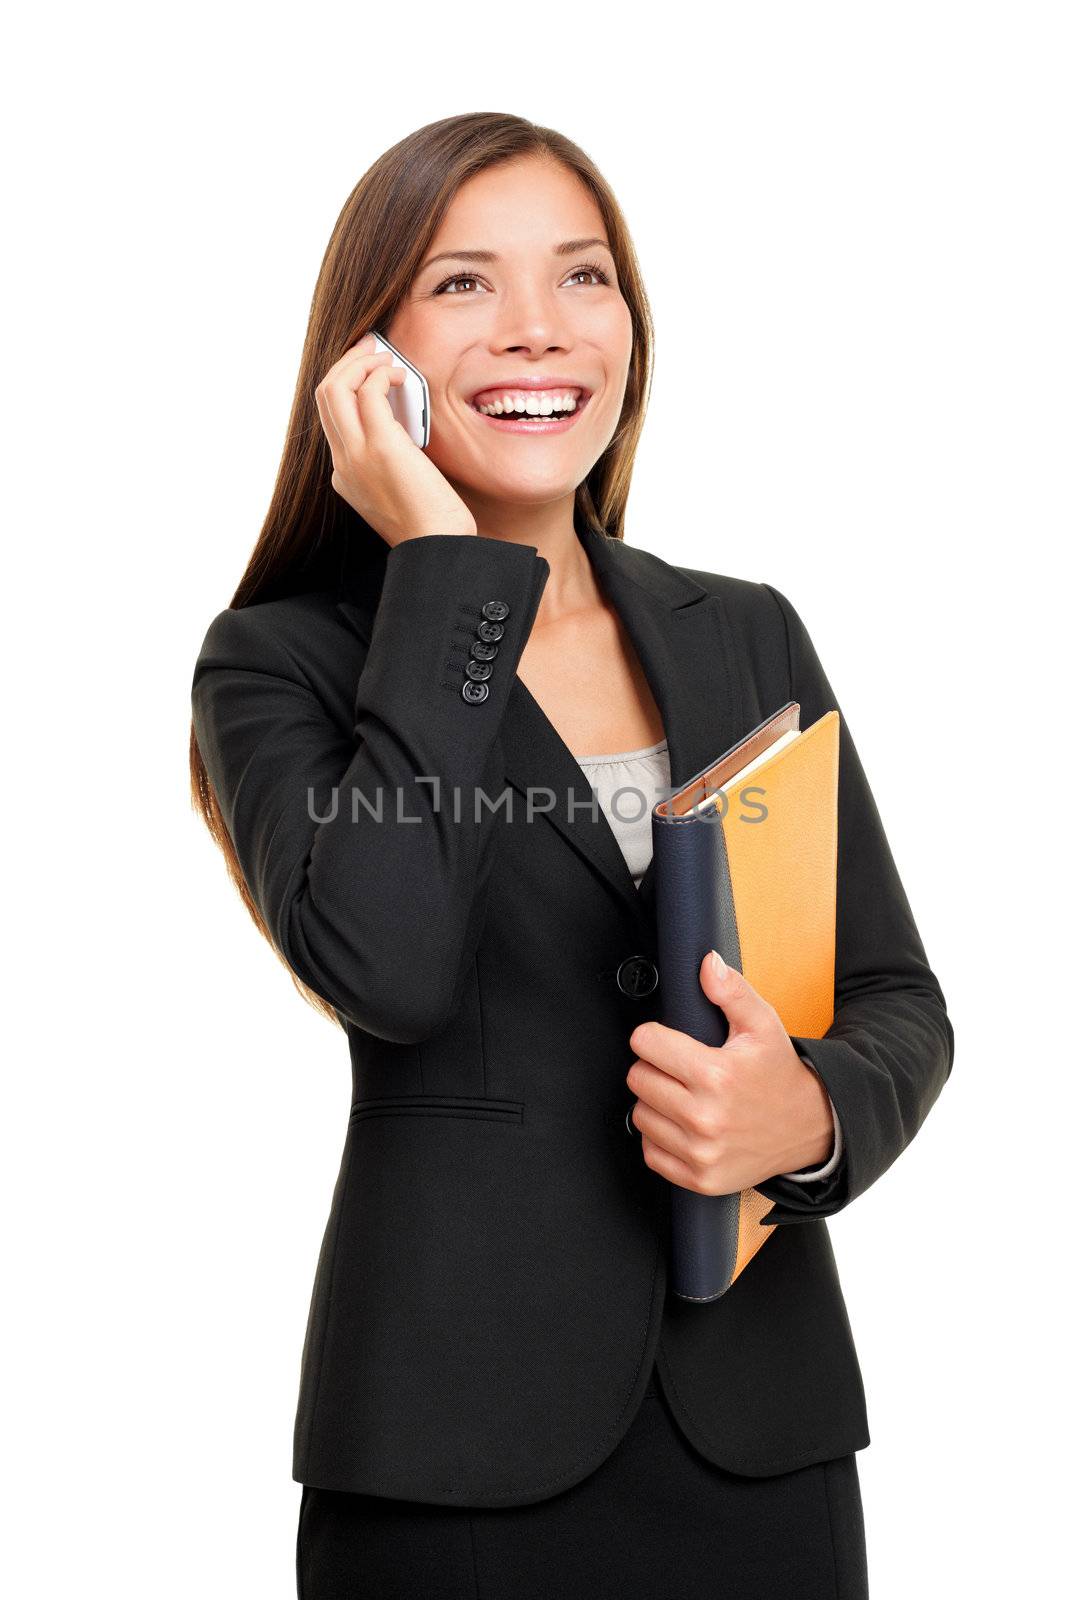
x=679 y=634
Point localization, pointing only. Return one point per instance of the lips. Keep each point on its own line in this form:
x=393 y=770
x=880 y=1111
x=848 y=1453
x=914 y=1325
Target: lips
x=497 y=391
x=522 y=422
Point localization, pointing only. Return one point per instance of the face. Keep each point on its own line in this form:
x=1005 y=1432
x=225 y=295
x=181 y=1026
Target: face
x=515 y=288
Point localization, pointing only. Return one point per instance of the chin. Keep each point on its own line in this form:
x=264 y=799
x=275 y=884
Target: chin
x=530 y=486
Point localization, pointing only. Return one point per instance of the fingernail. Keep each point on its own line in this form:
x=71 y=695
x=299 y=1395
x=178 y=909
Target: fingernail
x=718 y=965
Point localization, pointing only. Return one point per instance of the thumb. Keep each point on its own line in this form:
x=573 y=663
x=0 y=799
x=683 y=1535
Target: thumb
x=744 y=1008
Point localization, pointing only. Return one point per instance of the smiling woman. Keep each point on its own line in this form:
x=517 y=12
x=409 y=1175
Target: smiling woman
x=497 y=1396
x=532 y=341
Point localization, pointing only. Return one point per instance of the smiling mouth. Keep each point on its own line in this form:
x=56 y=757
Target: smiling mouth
x=522 y=422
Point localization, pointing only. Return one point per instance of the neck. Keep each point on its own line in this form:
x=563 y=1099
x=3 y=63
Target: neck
x=550 y=528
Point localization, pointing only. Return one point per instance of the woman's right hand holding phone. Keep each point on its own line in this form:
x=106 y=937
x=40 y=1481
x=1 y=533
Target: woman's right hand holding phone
x=377 y=468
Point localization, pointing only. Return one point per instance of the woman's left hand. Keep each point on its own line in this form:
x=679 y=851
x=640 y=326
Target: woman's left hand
x=719 y=1119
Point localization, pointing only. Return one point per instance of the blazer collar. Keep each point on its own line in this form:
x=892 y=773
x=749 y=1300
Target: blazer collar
x=679 y=633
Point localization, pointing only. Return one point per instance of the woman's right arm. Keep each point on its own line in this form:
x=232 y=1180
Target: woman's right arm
x=378 y=909
x=379 y=917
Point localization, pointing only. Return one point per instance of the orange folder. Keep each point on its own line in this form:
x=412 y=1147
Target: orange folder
x=746 y=863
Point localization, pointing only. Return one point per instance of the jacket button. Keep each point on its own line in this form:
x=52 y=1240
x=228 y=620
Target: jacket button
x=637 y=976
x=474 y=692
x=495 y=610
x=484 y=652
x=490 y=631
x=479 y=670
x=629 y=1125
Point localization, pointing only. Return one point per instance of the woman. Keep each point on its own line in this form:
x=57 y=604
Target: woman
x=498 y=1396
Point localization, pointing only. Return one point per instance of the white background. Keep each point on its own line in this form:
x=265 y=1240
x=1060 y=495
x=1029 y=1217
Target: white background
x=851 y=223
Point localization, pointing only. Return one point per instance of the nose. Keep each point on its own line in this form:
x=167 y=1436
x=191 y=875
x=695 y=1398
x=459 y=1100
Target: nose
x=531 y=322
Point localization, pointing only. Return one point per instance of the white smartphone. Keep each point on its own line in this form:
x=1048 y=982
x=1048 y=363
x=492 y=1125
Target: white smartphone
x=410 y=400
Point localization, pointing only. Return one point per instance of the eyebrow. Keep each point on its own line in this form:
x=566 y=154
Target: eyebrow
x=569 y=247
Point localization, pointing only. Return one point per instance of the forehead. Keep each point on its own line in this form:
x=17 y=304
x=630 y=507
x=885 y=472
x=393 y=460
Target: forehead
x=516 y=206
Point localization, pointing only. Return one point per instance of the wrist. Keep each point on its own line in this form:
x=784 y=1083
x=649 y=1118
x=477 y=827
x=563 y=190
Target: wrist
x=820 y=1145
x=459 y=529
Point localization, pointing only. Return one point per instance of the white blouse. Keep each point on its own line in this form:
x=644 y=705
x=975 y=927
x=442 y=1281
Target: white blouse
x=627 y=784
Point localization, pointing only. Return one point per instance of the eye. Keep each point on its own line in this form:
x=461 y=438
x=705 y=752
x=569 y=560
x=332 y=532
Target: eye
x=442 y=287
x=589 y=268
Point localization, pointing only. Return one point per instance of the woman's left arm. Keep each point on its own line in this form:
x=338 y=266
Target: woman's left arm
x=888 y=1052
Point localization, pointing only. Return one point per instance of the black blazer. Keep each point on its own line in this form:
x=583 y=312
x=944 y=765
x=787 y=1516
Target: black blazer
x=490 y=1294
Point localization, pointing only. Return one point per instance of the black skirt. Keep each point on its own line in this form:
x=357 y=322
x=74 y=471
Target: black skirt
x=655 y=1521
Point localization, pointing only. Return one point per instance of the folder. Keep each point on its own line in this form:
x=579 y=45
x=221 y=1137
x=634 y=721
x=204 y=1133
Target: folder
x=745 y=859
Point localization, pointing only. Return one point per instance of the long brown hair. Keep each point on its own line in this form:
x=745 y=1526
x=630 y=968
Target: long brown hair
x=310 y=534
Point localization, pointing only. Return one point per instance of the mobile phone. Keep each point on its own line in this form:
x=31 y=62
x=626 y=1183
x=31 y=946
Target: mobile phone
x=410 y=400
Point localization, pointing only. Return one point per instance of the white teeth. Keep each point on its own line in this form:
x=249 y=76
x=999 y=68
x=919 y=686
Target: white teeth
x=530 y=403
